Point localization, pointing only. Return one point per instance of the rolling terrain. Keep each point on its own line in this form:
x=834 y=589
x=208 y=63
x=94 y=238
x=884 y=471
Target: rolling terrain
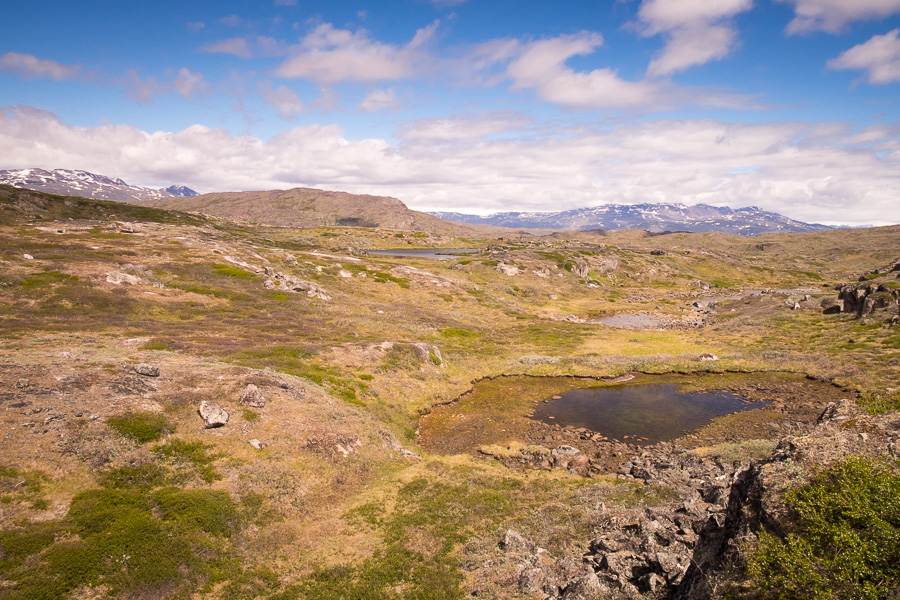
x=201 y=407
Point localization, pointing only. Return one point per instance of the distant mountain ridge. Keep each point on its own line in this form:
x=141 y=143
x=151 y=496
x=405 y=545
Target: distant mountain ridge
x=71 y=182
x=749 y=220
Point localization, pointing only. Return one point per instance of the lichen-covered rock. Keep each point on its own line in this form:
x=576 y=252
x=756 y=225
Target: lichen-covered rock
x=252 y=397
x=212 y=414
x=146 y=370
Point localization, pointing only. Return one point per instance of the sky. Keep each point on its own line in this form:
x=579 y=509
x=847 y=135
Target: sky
x=473 y=106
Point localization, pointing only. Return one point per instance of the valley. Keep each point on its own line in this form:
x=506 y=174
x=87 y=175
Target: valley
x=242 y=406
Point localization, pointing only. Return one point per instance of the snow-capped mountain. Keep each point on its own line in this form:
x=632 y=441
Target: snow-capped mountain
x=87 y=185
x=651 y=217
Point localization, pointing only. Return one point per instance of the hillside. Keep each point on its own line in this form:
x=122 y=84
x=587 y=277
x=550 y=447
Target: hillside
x=195 y=407
x=307 y=207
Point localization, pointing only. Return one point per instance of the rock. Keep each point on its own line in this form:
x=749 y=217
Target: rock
x=831 y=306
x=27 y=257
x=588 y=587
x=257 y=444
x=117 y=278
x=513 y=541
x=409 y=454
x=252 y=397
x=269 y=284
x=345 y=274
x=23 y=384
x=130 y=228
x=508 y=270
x=708 y=356
x=657 y=253
x=146 y=370
x=213 y=415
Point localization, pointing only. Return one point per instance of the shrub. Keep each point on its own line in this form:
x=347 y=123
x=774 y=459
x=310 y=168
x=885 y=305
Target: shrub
x=141 y=426
x=193 y=454
x=843 y=538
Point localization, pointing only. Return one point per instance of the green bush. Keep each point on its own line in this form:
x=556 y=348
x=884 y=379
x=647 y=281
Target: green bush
x=880 y=403
x=142 y=426
x=842 y=541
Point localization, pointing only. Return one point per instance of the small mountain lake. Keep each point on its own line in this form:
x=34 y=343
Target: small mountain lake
x=434 y=253
x=696 y=409
x=649 y=412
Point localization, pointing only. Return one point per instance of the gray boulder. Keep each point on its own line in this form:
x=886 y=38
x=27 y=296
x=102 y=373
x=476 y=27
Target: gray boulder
x=212 y=414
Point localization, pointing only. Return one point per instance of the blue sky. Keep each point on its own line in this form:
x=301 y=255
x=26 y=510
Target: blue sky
x=470 y=105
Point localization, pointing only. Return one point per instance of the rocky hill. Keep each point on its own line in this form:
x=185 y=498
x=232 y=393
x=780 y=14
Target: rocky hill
x=308 y=207
x=650 y=217
x=87 y=185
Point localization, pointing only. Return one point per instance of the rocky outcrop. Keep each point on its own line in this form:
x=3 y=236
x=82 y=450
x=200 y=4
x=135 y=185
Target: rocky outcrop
x=863 y=299
x=252 y=397
x=289 y=283
x=146 y=370
x=755 y=500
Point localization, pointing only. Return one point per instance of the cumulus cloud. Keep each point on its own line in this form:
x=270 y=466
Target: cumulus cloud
x=140 y=90
x=880 y=57
x=834 y=15
x=331 y=55
x=283 y=99
x=696 y=31
x=377 y=100
x=541 y=67
x=28 y=66
x=828 y=173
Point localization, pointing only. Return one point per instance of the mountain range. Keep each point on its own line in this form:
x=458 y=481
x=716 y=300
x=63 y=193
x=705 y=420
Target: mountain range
x=70 y=182
x=650 y=217
x=307 y=207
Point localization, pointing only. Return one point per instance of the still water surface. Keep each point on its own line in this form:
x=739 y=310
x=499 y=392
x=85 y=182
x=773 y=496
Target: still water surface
x=655 y=412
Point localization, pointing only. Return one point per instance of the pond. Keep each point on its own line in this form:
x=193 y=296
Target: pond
x=695 y=409
x=650 y=412
x=435 y=253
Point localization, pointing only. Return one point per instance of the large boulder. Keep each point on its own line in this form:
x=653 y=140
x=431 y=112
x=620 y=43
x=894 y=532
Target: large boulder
x=212 y=414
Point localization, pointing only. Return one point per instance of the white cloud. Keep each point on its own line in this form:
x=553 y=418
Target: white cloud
x=28 y=66
x=834 y=15
x=239 y=47
x=283 y=99
x=542 y=67
x=377 y=100
x=195 y=26
x=460 y=129
x=189 y=83
x=330 y=55
x=880 y=56
x=828 y=173
x=697 y=31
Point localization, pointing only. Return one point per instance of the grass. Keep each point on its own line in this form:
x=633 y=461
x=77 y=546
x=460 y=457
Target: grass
x=842 y=540
x=141 y=426
x=195 y=456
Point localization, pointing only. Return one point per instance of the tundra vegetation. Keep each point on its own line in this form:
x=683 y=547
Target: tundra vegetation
x=317 y=486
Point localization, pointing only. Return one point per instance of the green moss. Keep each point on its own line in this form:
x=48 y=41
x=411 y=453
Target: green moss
x=387 y=277
x=145 y=476
x=249 y=416
x=880 y=403
x=195 y=455
x=842 y=539
x=156 y=345
x=207 y=510
x=229 y=271
x=141 y=426
x=46 y=279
